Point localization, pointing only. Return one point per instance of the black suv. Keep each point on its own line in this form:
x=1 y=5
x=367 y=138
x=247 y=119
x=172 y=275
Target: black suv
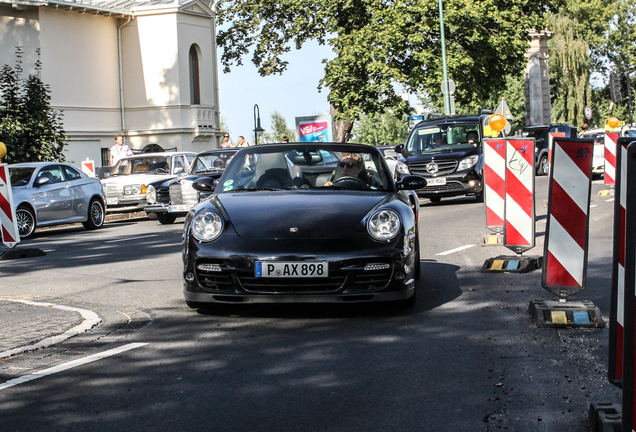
x=540 y=135
x=446 y=150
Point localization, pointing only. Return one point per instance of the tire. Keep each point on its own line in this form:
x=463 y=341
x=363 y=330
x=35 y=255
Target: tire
x=435 y=200
x=26 y=221
x=543 y=167
x=96 y=215
x=166 y=218
x=197 y=305
x=417 y=272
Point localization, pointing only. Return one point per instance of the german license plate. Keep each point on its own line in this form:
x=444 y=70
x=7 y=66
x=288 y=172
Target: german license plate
x=112 y=201
x=292 y=269
x=178 y=208
x=437 y=181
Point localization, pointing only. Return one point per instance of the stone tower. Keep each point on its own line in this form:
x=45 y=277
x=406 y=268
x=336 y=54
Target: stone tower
x=537 y=79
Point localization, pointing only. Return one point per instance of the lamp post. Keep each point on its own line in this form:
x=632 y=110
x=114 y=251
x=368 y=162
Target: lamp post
x=446 y=91
x=258 y=130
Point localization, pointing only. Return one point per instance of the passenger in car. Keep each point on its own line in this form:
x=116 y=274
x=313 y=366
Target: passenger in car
x=471 y=138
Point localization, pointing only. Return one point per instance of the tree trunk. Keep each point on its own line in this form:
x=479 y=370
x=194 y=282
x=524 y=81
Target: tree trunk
x=342 y=128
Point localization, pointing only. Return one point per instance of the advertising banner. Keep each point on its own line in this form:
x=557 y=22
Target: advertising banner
x=315 y=128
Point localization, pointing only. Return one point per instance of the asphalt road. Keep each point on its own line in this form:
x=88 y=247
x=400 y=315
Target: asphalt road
x=467 y=358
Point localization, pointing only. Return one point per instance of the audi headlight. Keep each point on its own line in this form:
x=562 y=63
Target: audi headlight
x=467 y=163
x=384 y=225
x=402 y=168
x=151 y=194
x=207 y=226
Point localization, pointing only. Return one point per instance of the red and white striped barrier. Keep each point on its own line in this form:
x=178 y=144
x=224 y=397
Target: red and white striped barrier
x=565 y=250
x=88 y=167
x=519 y=211
x=617 y=313
x=610 y=157
x=495 y=182
x=9 y=225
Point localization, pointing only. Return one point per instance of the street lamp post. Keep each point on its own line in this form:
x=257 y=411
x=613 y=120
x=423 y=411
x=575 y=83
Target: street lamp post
x=258 y=130
x=447 y=104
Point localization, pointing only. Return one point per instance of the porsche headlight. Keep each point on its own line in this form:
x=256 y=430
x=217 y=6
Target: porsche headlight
x=384 y=225
x=467 y=163
x=151 y=194
x=207 y=226
x=402 y=168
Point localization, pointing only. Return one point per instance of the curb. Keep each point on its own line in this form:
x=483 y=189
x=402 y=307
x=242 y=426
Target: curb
x=90 y=320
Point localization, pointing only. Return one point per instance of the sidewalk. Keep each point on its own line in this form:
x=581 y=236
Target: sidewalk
x=27 y=325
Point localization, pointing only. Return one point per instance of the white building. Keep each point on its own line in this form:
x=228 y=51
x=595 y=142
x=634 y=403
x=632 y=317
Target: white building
x=145 y=69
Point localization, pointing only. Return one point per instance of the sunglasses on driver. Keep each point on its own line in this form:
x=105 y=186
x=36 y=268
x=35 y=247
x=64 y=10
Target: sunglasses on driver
x=348 y=164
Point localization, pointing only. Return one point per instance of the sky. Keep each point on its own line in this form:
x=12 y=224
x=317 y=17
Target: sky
x=293 y=94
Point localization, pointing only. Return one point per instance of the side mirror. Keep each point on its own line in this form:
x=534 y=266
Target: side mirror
x=42 y=181
x=178 y=170
x=399 y=148
x=204 y=184
x=411 y=182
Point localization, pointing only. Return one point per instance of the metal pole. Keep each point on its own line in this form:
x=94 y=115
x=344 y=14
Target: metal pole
x=256 y=108
x=446 y=90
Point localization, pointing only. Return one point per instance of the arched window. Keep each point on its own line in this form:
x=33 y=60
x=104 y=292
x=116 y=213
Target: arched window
x=195 y=93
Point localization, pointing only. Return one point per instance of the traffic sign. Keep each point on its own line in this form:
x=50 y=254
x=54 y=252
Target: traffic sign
x=588 y=112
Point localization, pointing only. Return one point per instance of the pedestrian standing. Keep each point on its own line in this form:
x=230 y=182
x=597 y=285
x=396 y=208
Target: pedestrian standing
x=226 y=143
x=242 y=142
x=119 y=150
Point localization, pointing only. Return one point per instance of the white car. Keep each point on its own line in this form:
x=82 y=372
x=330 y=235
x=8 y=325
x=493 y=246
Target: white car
x=598 y=135
x=129 y=179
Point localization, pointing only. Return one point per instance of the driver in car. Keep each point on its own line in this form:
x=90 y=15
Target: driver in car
x=350 y=165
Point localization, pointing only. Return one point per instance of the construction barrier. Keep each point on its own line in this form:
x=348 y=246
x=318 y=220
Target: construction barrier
x=88 y=167
x=551 y=137
x=494 y=182
x=629 y=365
x=566 y=239
x=8 y=222
x=617 y=319
x=610 y=157
x=519 y=211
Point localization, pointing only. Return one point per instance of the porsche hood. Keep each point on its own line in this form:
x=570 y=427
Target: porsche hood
x=298 y=215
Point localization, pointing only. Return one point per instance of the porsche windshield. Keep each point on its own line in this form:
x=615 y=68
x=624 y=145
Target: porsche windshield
x=444 y=138
x=306 y=167
x=142 y=165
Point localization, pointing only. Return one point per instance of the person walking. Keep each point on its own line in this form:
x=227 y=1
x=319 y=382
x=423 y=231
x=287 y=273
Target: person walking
x=119 y=150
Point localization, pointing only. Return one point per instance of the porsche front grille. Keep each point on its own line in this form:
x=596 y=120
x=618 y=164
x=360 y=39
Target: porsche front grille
x=330 y=284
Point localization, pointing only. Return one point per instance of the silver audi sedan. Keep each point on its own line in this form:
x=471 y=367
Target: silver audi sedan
x=55 y=193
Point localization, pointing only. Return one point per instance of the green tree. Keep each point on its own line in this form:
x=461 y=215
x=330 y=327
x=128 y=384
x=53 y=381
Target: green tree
x=378 y=43
x=279 y=129
x=570 y=68
x=381 y=129
x=29 y=127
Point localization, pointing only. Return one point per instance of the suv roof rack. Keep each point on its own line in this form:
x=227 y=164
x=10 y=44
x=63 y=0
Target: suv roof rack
x=432 y=116
x=485 y=111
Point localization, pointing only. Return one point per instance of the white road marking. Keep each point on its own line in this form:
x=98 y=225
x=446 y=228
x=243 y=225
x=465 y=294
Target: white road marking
x=70 y=365
x=593 y=205
x=456 y=250
x=609 y=200
x=131 y=238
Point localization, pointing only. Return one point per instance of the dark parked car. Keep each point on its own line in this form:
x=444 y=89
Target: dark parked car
x=54 y=193
x=175 y=197
x=446 y=150
x=282 y=226
x=540 y=135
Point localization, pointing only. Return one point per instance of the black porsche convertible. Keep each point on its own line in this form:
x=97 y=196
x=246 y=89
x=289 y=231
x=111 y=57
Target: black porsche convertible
x=303 y=222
